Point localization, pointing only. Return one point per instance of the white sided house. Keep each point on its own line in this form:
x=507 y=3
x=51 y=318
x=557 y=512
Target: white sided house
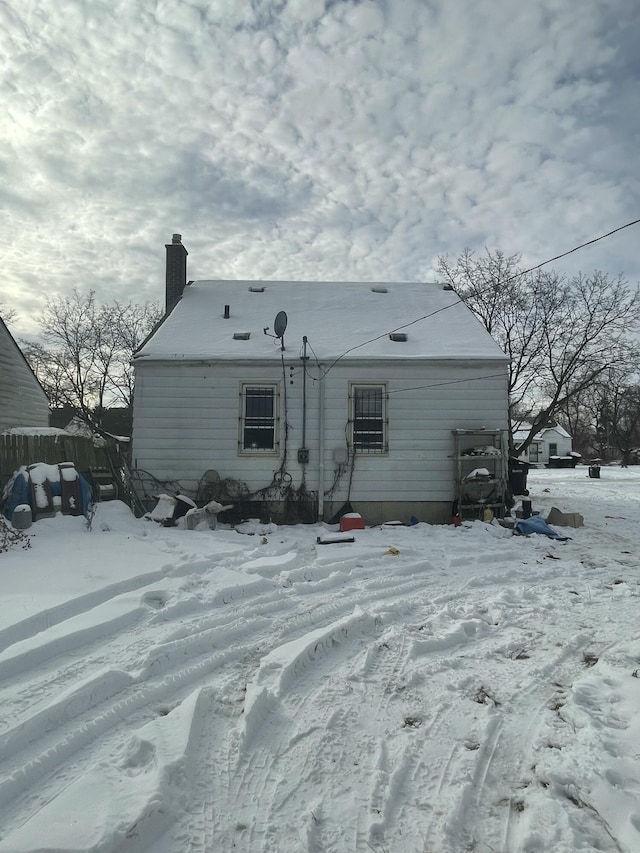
x=23 y=402
x=302 y=396
x=550 y=442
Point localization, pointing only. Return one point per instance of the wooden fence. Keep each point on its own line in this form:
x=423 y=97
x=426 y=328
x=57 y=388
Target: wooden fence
x=17 y=450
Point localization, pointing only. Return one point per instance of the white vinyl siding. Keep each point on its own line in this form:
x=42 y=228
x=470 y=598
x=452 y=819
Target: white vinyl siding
x=23 y=403
x=186 y=421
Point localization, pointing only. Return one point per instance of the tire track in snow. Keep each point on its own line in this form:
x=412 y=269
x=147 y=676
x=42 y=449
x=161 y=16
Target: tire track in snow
x=297 y=611
x=254 y=784
x=283 y=693
x=80 y=725
x=287 y=785
x=457 y=752
x=34 y=775
x=112 y=645
x=193 y=639
x=417 y=760
x=49 y=658
x=53 y=616
x=487 y=813
x=76 y=722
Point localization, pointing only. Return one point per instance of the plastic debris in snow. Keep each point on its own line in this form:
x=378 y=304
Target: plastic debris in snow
x=206 y=516
x=536 y=524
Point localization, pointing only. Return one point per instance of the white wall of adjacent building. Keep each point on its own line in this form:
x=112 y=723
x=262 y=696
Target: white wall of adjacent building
x=23 y=403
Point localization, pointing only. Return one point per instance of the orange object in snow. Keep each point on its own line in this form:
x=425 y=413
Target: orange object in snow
x=351 y=521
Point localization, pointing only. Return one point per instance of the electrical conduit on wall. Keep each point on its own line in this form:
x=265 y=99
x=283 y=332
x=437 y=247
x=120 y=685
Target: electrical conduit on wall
x=321 y=448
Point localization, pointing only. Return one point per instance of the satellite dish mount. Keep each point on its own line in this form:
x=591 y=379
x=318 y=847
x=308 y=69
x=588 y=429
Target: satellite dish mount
x=279 y=326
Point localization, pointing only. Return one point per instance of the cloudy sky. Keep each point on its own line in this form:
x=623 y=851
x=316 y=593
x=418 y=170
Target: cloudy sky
x=310 y=139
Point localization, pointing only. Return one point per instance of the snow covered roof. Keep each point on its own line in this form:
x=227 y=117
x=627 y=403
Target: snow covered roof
x=335 y=317
x=560 y=430
x=523 y=431
x=521 y=435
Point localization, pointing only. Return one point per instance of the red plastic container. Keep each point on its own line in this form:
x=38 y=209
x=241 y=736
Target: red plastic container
x=351 y=521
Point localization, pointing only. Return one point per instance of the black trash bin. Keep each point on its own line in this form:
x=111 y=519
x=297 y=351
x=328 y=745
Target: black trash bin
x=594 y=472
x=518 y=470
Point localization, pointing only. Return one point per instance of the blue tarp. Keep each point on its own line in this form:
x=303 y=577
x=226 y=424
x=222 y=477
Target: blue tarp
x=20 y=493
x=537 y=524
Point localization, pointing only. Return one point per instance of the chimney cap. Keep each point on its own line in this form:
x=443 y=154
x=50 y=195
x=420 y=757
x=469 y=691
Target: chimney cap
x=177 y=238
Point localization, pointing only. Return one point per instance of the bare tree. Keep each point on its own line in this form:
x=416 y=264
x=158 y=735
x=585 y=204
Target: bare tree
x=84 y=358
x=612 y=408
x=623 y=415
x=577 y=416
x=8 y=314
x=561 y=334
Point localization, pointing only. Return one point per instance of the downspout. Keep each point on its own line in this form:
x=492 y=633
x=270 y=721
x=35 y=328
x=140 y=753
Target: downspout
x=321 y=447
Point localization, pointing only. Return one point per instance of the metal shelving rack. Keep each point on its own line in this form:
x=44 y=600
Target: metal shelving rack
x=480 y=449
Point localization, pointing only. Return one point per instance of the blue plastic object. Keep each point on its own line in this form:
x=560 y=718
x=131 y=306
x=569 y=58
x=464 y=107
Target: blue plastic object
x=537 y=524
x=20 y=493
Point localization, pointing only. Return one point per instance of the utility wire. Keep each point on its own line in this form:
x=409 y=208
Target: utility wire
x=458 y=301
x=502 y=375
x=571 y=251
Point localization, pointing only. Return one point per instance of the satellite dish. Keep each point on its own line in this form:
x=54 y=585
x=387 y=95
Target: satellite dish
x=280 y=324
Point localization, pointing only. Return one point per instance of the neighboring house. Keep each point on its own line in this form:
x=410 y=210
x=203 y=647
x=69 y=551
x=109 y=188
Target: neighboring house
x=336 y=409
x=550 y=441
x=115 y=421
x=23 y=402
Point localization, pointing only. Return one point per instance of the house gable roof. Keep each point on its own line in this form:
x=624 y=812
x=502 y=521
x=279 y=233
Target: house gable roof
x=523 y=431
x=336 y=317
x=557 y=428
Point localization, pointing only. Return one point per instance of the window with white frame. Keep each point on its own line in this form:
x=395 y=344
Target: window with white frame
x=369 y=418
x=259 y=418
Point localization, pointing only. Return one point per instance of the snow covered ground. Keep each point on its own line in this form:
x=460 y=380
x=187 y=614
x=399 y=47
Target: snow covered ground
x=432 y=689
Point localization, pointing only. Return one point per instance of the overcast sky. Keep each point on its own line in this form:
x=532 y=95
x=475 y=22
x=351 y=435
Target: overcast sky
x=310 y=139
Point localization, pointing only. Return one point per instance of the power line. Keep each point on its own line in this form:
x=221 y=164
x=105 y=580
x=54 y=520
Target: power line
x=502 y=375
x=581 y=246
x=458 y=301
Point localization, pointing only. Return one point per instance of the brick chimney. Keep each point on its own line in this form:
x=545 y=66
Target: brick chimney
x=176 y=271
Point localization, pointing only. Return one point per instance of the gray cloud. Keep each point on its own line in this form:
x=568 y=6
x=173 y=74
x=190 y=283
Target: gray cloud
x=309 y=139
